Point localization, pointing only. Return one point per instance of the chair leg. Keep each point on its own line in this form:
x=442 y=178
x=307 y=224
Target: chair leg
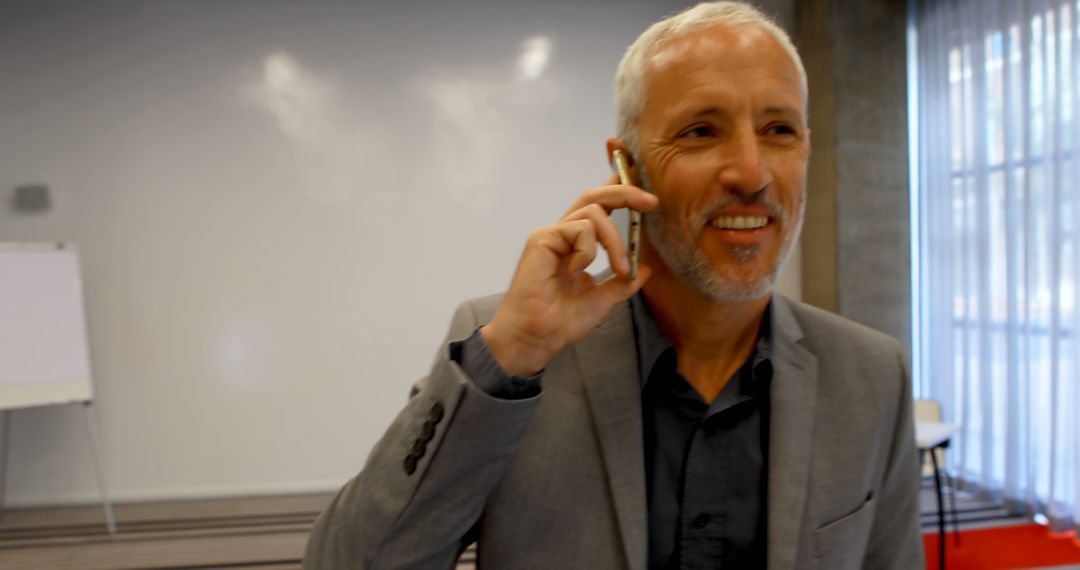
x=941 y=511
x=951 y=481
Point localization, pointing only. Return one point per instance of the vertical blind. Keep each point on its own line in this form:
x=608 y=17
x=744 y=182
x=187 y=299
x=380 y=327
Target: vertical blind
x=997 y=260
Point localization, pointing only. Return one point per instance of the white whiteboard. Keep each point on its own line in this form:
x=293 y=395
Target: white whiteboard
x=278 y=205
x=44 y=357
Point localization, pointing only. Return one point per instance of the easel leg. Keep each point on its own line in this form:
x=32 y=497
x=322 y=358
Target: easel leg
x=5 y=424
x=95 y=452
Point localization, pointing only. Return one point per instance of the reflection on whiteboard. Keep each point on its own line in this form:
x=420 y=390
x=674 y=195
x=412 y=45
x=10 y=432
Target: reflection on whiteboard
x=44 y=357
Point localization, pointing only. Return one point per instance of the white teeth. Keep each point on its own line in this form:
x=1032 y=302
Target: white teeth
x=740 y=222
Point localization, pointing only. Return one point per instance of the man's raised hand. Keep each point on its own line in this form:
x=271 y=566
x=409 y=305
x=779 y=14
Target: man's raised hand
x=552 y=301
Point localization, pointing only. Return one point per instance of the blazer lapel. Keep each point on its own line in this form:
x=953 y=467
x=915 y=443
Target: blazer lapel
x=608 y=360
x=794 y=404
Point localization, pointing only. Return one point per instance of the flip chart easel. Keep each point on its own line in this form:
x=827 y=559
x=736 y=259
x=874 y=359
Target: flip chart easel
x=44 y=346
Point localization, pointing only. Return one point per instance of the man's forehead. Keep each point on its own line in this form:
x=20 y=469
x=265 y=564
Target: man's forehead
x=714 y=38
x=731 y=47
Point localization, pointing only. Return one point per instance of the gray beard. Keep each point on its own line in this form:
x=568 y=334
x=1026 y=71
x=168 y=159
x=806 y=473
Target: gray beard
x=680 y=253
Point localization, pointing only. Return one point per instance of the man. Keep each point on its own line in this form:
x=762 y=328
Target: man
x=688 y=418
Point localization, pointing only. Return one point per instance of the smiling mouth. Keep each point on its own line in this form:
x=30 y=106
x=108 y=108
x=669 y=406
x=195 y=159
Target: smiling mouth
x=739 y=222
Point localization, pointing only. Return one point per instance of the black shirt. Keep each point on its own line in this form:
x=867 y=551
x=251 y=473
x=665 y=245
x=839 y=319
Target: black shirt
x=706 y=464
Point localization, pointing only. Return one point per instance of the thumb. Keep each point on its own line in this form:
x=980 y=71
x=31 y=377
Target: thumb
x=616 y=289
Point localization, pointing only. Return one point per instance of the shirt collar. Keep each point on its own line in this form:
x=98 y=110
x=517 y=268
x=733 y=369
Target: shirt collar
x=652 y=344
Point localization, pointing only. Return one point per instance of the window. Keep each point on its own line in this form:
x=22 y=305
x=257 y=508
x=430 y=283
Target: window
x=996 y=220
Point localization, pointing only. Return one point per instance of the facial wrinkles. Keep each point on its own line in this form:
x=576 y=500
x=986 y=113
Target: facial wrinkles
x=731 y=115
x=740 y=86
x=745 y=63
x=676 y=241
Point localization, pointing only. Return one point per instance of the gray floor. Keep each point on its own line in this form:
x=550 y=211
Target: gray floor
x=972 y=512
x=256 y=533
x=260 y=533
x=251 y=533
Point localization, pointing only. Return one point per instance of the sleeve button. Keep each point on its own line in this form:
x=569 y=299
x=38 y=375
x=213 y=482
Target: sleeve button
x=428 y=431
x=437 y=412
x=410 y=464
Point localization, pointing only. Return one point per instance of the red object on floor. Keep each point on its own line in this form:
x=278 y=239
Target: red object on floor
x=1003 y=548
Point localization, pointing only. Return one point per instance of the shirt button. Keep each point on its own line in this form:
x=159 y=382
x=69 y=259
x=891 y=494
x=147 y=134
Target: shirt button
x=700 y=521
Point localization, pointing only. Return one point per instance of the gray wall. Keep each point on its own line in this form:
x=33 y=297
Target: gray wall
x=279 y=204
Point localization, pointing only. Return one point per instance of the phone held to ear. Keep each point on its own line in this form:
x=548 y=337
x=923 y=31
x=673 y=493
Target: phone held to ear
x=633 y=233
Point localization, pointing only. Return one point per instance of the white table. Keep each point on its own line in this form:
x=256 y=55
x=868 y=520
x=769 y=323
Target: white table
x=929 y=436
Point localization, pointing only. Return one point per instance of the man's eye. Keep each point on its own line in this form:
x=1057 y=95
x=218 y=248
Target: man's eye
x=780 y=130
x=700 y=131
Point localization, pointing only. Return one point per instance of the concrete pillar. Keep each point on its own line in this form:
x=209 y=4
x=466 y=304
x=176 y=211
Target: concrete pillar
x=855 y=256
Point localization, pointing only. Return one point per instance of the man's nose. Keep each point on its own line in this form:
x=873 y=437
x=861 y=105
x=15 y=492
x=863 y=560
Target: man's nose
x=743 y=169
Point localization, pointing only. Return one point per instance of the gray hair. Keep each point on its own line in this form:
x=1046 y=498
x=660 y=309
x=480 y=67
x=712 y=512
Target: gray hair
x=630 y=77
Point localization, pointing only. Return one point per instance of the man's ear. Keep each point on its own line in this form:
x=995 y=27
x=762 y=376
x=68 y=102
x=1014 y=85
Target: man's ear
x=614 y=143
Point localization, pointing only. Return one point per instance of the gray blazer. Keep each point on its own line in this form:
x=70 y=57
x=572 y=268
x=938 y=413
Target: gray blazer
x=558 y=481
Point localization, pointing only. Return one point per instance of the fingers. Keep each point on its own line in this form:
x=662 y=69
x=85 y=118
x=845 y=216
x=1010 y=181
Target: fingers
x=584 y=245
x=613 y=197
x=615 y=290
x=596 y=204
x=571 y=242
x=608 y=235
x=580 y=282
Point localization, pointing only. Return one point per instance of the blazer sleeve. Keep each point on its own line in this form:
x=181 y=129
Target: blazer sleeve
x=895 y=538
x=426 y=481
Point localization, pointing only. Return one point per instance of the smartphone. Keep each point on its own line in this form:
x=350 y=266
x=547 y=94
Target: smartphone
x=633 y=230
